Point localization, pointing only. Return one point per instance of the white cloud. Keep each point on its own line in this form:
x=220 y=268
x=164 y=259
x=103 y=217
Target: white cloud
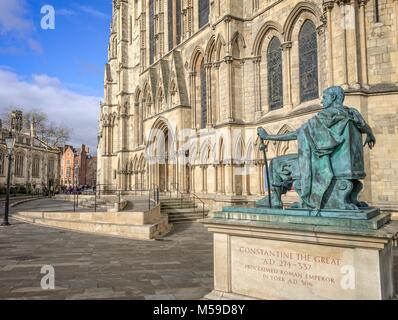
x=35 y=46
x=93 y=12
x=13 y=17
x=65 y=12
x=62 y=105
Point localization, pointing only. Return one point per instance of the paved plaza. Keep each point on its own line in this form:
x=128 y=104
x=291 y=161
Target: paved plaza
x=99 y=267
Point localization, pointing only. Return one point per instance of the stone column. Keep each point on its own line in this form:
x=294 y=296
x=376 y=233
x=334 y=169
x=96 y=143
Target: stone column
x=140 y=123
x=328 y=7
x=228 y=61
x=193 y=178
x=364 y=54
x=216 y=99
x=352 y=45
x=244 y=171
x=395 y=55
x=222 y=178
x=209 y=97
x=257 y=87
x=123 y=131
x=343 y=46
x=192 y=80
x=287 y=76
x=204 y=178
x=229 y=178
x=136 y=124
x=105 y=138
x=211 y=181
x=261 y=177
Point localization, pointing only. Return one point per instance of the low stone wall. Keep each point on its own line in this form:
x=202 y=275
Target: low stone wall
x=81 y=199
x=134 y=225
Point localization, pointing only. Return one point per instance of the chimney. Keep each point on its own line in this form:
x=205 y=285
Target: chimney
x=32 y=130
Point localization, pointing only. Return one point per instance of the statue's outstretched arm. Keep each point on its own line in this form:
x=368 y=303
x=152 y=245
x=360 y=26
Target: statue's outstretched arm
x=364 y=128
x=279 y=137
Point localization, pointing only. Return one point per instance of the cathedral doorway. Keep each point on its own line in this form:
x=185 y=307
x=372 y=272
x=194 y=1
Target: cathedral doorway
x=163 y=167
x=163 y=164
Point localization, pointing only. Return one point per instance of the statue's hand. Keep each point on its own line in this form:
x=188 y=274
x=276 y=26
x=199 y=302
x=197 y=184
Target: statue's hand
x=370 y=140
x=262 y=133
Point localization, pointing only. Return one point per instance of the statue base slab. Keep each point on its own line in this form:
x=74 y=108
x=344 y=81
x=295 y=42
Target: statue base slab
x=258 y=258
x=360 y=219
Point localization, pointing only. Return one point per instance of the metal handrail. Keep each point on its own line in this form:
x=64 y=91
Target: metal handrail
x=203 y=204
x=153 y=196
x=180 y=195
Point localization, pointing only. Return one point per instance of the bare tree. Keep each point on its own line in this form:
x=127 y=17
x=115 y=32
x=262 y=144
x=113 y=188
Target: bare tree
x=50 y=133
x=56 y=136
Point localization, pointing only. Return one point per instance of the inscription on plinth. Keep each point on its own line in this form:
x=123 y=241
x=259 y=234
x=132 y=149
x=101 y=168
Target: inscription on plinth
x=269 y=269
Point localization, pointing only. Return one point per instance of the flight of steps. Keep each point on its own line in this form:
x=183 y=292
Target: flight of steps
x=184 y=210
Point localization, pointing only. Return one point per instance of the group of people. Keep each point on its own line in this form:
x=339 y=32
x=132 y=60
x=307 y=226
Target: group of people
x=76 y=189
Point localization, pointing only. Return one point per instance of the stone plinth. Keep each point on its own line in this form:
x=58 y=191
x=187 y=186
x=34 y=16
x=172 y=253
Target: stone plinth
x=268 y=260
x=133 y=225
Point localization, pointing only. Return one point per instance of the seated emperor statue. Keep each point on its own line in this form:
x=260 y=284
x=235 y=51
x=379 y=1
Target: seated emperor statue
x=327 y=170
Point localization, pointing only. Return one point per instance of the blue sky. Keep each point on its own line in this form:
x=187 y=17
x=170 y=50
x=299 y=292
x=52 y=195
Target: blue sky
x=59 y=71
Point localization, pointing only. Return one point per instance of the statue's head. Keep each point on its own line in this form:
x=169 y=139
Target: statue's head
x=333 y=96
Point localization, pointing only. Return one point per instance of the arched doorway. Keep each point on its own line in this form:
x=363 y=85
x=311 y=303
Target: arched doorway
x=163 y=166
x=163 y=163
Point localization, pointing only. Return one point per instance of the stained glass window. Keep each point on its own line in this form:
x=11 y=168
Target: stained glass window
x=178 y=22
x=170 y=6
x=308 y=56
x=203 y=12
x=275 y=82
x=203 y=94
x=174 y=27
x=151 y=31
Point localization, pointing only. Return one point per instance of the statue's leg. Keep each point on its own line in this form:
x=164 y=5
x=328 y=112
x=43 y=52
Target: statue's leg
x=339 y=195
x=358 y=186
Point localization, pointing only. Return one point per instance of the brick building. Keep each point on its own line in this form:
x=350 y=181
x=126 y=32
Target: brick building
x=77 y=166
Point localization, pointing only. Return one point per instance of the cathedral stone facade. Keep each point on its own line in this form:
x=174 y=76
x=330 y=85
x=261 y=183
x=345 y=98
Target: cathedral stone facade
x=188 y=82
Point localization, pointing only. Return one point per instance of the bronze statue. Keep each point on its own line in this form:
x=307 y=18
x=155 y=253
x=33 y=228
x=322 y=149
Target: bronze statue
x=328 y=169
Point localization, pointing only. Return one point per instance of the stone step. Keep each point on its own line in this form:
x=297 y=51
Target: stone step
x=185 y=219
x=76 y=222
x=168 y=207
x=183 y=216
x=176 y=201
x=186 y=210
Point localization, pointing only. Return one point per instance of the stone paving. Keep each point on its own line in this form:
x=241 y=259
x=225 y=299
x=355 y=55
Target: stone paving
x=99 y=267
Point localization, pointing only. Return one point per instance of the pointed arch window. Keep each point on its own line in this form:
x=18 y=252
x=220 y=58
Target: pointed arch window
x=174 y=25
x=308 y=61
x=19 y=165
x=203 y=12
x=203 y=95
x=151 y=31
x=36 y=167
x=275 y=82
